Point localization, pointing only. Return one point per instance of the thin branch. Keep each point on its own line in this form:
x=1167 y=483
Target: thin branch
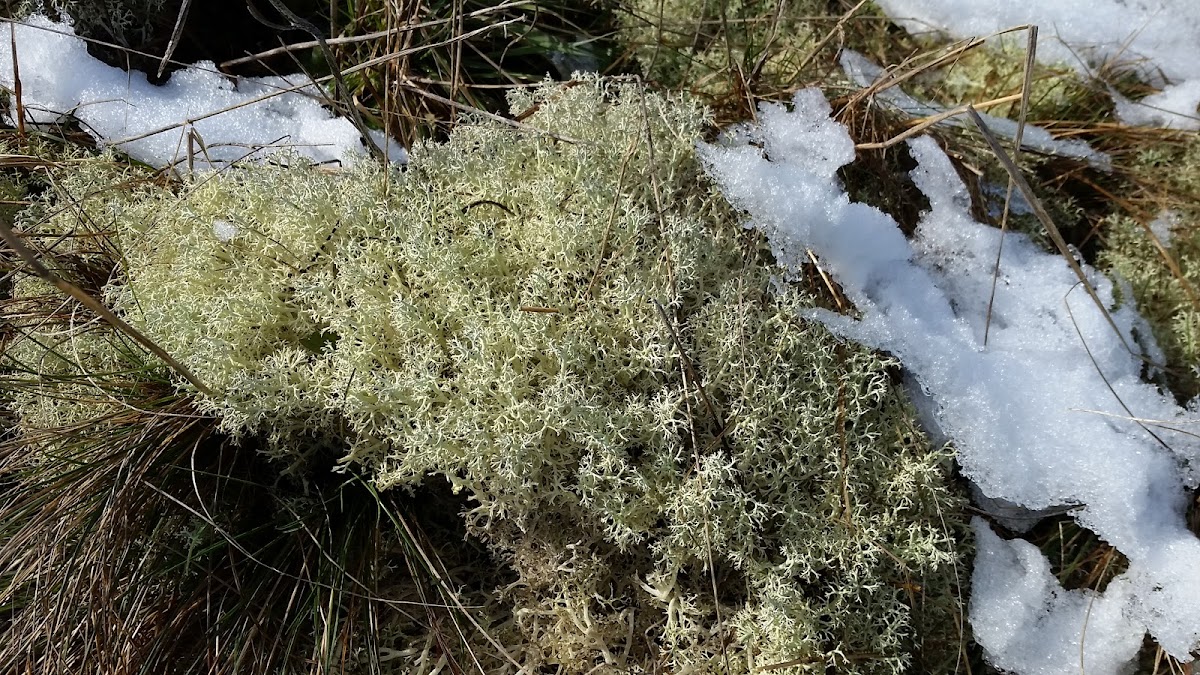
x=926 y=122
x=340 y=89
x=687 y=364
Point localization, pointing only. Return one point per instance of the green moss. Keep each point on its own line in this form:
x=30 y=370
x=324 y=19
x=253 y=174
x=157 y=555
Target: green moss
x=12 y=193
x=701 y=44
x=1164 y=273
x=1057 y=92
x=578 y=338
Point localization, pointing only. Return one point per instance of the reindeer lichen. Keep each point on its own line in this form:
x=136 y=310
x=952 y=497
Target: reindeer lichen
x=568 y=327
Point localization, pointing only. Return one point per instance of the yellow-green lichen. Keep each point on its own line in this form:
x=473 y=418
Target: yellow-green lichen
x=571 y=330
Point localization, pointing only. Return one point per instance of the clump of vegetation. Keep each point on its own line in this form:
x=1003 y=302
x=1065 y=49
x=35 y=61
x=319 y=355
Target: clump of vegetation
x=442 y=58
x=128 y=23
x=134 y=537
x=723 y=50
x=545 y=372
x=1156 y=248
x=734 y=55
x=566 y=329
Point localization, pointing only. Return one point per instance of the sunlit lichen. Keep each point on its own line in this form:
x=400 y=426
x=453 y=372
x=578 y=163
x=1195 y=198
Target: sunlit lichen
x=571 y=330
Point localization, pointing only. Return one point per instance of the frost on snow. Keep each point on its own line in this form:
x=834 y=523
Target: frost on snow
x=1032 y=413
x=150 y=123
x=1161 y=38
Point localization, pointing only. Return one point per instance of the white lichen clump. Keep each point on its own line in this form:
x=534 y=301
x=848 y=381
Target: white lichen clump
x=576 y=336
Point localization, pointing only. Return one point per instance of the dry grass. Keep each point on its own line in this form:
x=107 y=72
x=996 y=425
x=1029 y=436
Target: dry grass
x=437 y=59
x=135 y=538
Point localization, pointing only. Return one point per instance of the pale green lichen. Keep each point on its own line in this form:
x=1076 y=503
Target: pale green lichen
x=576 y=335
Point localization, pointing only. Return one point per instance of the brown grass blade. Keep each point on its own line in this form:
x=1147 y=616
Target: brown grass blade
x=12 y=41
x=1026 y=84
x=1044 y=218
x=96 y=306
x=176 y=34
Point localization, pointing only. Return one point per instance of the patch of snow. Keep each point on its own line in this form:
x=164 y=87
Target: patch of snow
x=1032 y=626
x=1164 y=225
x=199 y=117
x=864 y=73
x=224 y=230
x=1041 y=415
x=1158 y=38
x=1175 y=107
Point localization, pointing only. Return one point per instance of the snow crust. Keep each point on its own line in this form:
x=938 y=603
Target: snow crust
x=116 y=107
x=1040 y=415
x=1159 y=38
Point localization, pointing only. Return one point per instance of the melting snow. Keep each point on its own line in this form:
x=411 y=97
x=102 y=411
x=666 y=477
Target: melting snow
x=1041 y=415
x=199 y=117
x=1160 y=38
